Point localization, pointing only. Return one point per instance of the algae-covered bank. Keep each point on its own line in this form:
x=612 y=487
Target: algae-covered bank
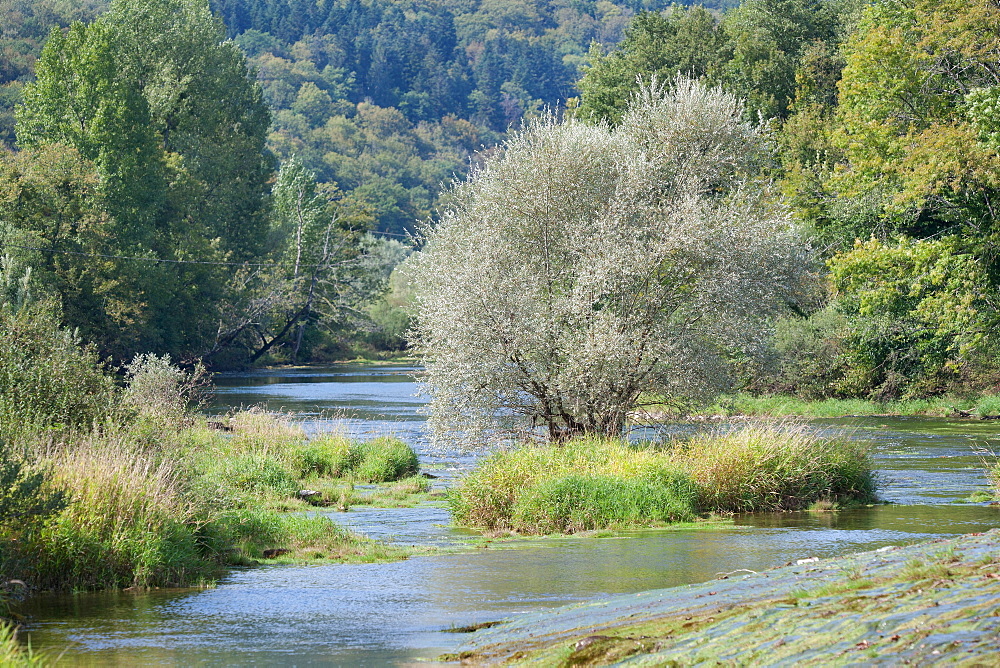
x=935 y=602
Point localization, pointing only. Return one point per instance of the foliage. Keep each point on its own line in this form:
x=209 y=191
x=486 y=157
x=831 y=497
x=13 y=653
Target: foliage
x=320 y=273
x=588 y=484
x=15 y=655
x=917 y=309
x=26 y=501
x=767 y=40
x=584 y=266
x=913 y=134
x=180 y=171
x=684 y=41
x=49 y=380
x=810 y=353
x=159 y=392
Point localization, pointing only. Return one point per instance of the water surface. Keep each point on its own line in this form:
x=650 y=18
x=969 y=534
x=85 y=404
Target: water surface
x=399 y=613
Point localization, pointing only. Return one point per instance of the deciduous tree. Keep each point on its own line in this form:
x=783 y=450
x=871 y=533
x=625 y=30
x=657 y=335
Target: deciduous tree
x=582 y=267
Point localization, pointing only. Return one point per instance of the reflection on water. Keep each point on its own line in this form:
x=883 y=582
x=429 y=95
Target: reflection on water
x=397 y=613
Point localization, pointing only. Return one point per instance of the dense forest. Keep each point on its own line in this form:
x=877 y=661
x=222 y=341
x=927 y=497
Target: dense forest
x=154 y=213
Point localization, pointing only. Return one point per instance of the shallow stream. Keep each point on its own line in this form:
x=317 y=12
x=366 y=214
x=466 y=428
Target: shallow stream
x=399 y=613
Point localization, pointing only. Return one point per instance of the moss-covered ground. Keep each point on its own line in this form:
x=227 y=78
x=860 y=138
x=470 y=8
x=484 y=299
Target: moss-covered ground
x=936 y=602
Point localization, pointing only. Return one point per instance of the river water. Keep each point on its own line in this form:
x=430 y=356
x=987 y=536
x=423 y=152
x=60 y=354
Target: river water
x=400 y=613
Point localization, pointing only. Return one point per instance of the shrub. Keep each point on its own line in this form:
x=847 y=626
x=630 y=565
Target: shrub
x=382 y=459
x=253 y=530
x=49 y=381
x=988 y=406
x=25 y=496
x=158 y=393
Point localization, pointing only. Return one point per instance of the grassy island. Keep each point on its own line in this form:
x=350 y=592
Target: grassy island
x=594 y=483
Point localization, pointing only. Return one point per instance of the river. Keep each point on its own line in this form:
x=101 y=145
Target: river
x=400 y=613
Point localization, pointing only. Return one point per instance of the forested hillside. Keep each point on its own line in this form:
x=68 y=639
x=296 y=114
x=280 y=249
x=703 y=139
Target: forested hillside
x=385 y=99
x=165 y=199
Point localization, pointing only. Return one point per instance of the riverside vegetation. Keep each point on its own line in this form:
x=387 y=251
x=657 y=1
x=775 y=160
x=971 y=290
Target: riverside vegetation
x=108 y=485
x=594 y=483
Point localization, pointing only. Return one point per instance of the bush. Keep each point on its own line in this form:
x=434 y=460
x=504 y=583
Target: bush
x=159 y=394
x=26 y=498
x=49 y=381
x=810 y=363
x=253 y=530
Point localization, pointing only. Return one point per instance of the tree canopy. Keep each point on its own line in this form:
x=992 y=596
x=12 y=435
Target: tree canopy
x=583 y=266
x=163 y=110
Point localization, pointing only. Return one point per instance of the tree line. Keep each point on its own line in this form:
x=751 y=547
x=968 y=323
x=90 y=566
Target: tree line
x=160 y=216
x=884 y=120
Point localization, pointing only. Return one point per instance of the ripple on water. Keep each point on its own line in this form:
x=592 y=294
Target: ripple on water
x=397 y=613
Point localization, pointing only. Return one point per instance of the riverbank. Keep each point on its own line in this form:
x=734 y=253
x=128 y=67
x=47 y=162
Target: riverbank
x=985 y=407
x=937 y=601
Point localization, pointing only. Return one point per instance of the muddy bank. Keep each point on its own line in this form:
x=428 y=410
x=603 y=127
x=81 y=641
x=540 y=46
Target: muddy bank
x=928 y=603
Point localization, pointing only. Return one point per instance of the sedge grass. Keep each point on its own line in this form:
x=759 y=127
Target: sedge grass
x=13 y=654
x=779 y=406
x=591 y=484
x=177 y=513
x=771 y=468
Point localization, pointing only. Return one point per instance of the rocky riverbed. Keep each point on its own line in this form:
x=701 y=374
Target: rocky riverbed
x=935 y=602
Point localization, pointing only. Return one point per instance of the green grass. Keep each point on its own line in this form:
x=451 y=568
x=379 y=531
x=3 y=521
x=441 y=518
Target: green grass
x=591 y=484
x=13 y=654
x=764 y=468
x=178 y=512
x=790 y=406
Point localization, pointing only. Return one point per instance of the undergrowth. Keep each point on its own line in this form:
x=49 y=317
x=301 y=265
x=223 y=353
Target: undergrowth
x=163 y=498
x=777 y=405
x=589 y=483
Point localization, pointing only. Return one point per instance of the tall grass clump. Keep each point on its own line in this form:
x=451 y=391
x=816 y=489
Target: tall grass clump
x=12 y=653
x=382 y=459
x=584 y=484
x=130 y=522
x=783 y=467
x=596 y=484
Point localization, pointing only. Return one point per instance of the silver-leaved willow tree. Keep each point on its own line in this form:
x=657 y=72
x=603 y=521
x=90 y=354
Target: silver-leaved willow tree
x=585 y=267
